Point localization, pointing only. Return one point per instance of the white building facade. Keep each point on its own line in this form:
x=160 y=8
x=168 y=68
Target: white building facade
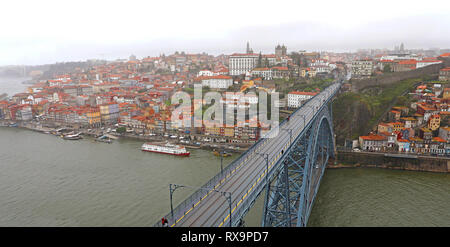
x=362 y=68
x=240 y=64
x=218 y=82
x=295 y=99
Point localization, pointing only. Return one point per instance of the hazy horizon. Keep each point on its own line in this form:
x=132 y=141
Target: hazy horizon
x=46 y=32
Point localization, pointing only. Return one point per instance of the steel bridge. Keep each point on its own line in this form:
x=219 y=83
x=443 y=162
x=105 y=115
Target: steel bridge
x=289 y=167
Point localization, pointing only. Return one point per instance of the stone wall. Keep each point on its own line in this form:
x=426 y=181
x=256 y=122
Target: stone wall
x=386 y=79
x=379 y=160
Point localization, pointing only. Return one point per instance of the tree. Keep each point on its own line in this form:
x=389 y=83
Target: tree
x=387 y=68
x=121 y=130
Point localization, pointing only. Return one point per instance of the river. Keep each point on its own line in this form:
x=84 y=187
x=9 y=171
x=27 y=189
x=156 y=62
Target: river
x=13 y=85
x=47 y=181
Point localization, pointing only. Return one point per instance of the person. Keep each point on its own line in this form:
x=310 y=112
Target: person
x=164 y=222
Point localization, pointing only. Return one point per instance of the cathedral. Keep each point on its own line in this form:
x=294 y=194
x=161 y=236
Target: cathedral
x=280 y=50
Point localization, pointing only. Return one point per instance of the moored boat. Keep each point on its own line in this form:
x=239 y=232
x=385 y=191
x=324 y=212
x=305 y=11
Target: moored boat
x=103 y=139
x=166 y=148
x=224 y=154
x=72 y=136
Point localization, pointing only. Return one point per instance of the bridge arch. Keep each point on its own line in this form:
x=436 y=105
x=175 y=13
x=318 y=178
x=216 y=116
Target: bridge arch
x=322 y=148
x=282 y=166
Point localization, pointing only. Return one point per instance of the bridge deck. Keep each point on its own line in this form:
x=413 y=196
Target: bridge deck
x=213 y=208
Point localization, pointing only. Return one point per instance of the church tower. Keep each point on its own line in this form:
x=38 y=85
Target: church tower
x=249 y=50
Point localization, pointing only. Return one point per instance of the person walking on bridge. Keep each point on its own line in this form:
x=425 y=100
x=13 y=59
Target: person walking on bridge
x=164 y=222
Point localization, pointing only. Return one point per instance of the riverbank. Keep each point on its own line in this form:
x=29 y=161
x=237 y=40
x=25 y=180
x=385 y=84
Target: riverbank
x=348 y=159
x=97 y=132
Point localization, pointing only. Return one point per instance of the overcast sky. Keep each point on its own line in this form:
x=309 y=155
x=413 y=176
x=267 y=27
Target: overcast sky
x=46 y=31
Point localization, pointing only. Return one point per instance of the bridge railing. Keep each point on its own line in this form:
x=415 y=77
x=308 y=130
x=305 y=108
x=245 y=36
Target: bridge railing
x=260 y=186
x=214 y=182
x=189 y=203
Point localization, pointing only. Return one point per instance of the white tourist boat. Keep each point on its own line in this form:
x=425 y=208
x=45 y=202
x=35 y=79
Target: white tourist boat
x=166 y=148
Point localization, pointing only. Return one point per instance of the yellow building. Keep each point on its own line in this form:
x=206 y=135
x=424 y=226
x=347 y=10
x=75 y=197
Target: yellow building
x=212 y=130
x=384 y=127
x=446 y=94
x=104 y=112
x=397 y=126
x=94 y=117
x=434 y=122
x=303 y=72
x=228 y=131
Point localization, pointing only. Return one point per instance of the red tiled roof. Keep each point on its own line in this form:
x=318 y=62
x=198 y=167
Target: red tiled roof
x=408 y=62
x=303 y=93
x=280 y=68
x=244 y=54
x=373 y=137
x=438 y=139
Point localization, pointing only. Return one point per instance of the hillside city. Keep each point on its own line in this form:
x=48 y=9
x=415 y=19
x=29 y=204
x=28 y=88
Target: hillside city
x=132 y=97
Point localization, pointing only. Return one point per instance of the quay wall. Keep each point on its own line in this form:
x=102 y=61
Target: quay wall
x=380 y=160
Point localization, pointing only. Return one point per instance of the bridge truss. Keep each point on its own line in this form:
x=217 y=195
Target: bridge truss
x=289 y=169
x=293 y=187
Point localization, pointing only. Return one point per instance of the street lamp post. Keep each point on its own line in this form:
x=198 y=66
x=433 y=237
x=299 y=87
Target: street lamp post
x=173 y=187
x=221 y=160
x=227 y=195
x=266 y=157
x=286 y=177
x=304 y=120
x=290 y=134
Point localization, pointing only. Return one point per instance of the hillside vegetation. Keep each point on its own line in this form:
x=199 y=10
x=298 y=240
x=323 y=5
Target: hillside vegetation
x=356 y=114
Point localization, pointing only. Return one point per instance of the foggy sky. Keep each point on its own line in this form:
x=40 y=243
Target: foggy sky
x=40 y=32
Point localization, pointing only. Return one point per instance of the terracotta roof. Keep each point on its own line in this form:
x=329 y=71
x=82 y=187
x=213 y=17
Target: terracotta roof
x=373 y=138
x=280 y=68
x=303 y=93
x=243 y=54
x=408 y=62
x=438 y=139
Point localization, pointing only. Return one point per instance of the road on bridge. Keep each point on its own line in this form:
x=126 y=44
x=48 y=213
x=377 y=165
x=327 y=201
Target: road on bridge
x=213 y=209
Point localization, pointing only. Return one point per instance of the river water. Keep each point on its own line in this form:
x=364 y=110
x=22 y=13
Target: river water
x=377 y=197
x=13 y=85
x=48 y=181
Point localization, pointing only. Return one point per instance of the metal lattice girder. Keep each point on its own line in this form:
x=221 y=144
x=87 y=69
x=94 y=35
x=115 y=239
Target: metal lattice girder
x=291 y=192
x=284 y=168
